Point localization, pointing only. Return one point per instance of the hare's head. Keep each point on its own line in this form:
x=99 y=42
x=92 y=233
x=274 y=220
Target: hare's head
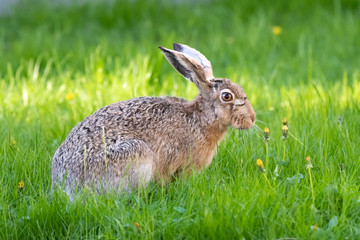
x=226 y=101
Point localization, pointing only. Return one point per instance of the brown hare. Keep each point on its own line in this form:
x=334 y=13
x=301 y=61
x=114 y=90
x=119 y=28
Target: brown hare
x=129 y=143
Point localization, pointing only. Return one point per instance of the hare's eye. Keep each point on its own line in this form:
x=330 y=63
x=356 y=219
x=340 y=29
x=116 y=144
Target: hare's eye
x=226 y=96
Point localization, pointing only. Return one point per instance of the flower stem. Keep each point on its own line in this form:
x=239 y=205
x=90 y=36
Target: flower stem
x=284 y=151
x=312 y=188
x=267 y=153
x=267 y=180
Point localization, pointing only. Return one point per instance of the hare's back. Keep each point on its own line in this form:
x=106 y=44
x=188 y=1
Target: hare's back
x=127 y=119
x=138 y=118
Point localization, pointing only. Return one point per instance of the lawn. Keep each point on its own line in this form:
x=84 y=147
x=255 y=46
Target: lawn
x=297 y=60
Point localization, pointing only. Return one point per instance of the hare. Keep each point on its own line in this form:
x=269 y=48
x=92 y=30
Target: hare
x=127 y=144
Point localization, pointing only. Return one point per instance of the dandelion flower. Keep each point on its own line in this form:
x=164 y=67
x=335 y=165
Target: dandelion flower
x=21 y=185
x=315 y=227
x=137 y=225
x=69 y=96
x=266 y=133
x=12 y=141
x=276 y=30
x=340 y=120
x=259 y=163
x=284 y=121
x=308 y=165
x=285 y=131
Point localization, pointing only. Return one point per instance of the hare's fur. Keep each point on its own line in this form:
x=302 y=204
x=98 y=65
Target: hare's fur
x=129 y=143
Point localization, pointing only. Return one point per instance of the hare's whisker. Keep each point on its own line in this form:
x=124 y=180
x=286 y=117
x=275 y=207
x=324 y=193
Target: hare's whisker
x=257 y=120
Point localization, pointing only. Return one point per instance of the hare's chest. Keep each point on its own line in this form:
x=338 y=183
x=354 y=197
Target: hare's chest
x=209 y=158
x=209 y=149
x=204 y=154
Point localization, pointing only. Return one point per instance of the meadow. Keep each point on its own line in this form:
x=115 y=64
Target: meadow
x=297 y=60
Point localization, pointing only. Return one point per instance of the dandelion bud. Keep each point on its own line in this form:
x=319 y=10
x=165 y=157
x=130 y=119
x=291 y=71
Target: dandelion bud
x=12 y=141
x=276 y=30
x=69 y=96
x=284 y=121
x=137 y=225
x=340 y=120
x=285 y=131
x=266 y=133
x=21 y=185
x=308 y=165
x=315 y=227
x=260 y=164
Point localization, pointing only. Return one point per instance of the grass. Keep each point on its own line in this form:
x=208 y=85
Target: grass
x=106 y=53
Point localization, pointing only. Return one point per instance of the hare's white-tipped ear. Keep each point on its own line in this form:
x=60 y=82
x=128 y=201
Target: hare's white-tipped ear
x=189 y=67
x=204 y=62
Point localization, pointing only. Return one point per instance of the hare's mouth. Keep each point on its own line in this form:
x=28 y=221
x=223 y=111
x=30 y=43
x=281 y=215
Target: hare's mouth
x=243 y=123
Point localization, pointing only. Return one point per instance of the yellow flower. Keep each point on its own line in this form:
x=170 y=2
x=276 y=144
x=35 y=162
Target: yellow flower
x=12 y=141
x=69 y=96
x=276 y=30
x=285 y=130
x=266 y=133
x=284 y=121
x=308 y=165
x=137 y=225
x=260 y=164
x=21 y=185
x=315 y=227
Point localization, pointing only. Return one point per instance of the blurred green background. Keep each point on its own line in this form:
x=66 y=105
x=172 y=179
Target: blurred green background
x=233 y=34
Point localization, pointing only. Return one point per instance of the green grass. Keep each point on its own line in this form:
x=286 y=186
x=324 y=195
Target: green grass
x=309 y=74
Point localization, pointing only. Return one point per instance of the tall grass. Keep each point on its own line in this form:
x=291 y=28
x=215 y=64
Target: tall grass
x=103 y=53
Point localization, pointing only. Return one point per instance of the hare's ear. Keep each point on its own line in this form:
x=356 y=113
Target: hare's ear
x=204 y=62
x=189 y=67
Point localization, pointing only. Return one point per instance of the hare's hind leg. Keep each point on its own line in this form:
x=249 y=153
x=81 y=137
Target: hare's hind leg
x=131 y=165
